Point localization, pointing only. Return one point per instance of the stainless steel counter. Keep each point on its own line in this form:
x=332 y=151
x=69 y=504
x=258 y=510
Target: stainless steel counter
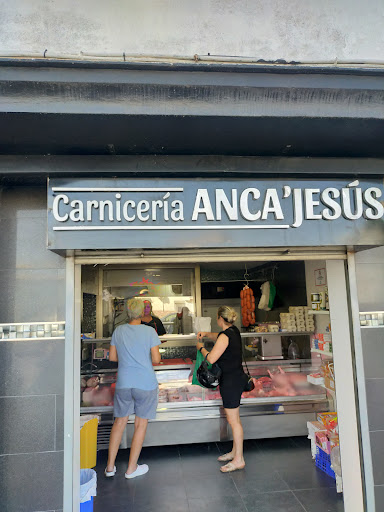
x=205 y=421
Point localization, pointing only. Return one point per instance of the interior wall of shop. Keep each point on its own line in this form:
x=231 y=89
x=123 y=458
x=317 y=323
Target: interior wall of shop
x=32 y=288
x=267 y=30
x=370 y=286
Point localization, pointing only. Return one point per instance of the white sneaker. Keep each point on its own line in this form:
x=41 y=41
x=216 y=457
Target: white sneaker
x=110 y=473
x=141 y=470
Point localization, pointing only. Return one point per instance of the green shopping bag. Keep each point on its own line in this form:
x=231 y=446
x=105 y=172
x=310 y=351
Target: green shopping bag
x=199 y=360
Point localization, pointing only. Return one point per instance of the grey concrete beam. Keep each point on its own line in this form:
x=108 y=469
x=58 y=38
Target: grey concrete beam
x=147 y=166
x=166 y=93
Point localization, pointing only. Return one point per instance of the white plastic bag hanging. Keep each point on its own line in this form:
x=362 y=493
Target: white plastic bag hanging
x=88 y=484
x=202 y=324
x=264 y=300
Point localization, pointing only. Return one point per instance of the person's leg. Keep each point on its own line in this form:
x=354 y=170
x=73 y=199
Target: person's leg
x=233 y=417
x=115 y=440
x=137 y=443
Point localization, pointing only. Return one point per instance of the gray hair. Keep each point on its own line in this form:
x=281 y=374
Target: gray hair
x=135 y=309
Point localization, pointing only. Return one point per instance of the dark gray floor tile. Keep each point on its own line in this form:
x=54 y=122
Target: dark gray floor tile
x=194 y=472
x=200 y=465
x=210 y=486
x=42 y=492
x=281 y=459
x=168 y=504
x=273 y=502
x=160 y=452
x=251 y=481
x=276 y=444
x=249 y=447
x=27 y=424
x=301 y=442
x=161 y=485
x=321 y=500
x=113 y=502
x=199 y=449
x=308 y=477
x=223 y=504
x=116 y=491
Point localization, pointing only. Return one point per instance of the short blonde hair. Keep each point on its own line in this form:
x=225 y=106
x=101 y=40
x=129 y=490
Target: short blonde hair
x=135 y=309
x=228 y=314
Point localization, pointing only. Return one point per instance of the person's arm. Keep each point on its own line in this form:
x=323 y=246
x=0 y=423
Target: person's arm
x=154 y=344
x=218 y=349
x=155 y=355
x=113 y=353
x=112 y=348
x=211 y=335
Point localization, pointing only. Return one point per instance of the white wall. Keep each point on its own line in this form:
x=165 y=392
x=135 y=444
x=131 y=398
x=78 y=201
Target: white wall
x=267 y=29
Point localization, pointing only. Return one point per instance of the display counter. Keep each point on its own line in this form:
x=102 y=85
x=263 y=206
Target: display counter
x=280 y=405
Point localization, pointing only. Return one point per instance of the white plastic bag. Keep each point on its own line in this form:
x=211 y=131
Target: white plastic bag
x=202 y=324
x=88 y=484
x=264 y=300
x=336 y=460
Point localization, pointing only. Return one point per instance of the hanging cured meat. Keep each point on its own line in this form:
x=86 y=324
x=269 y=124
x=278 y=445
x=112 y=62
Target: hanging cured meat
x=247 y=306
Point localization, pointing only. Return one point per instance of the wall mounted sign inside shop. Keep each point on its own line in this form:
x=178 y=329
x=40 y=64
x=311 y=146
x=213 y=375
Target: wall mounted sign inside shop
x=135 y=213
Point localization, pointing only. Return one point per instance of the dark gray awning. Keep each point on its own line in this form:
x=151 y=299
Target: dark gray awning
x=83 y=110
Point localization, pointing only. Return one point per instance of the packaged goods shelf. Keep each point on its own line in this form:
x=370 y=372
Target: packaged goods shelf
x=322 y=352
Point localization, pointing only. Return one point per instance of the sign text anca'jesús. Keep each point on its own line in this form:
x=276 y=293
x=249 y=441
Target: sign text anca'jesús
x=191 y=205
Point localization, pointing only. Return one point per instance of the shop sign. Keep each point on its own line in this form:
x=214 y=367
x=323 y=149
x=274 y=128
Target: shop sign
x=128 y=213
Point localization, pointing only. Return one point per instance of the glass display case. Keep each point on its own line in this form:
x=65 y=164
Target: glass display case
x=280 y=405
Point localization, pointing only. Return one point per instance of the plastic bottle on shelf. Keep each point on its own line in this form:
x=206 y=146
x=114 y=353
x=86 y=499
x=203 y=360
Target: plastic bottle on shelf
x=293 y=350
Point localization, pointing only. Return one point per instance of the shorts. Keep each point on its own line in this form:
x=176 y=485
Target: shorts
x=231 y=389
x=130 y=401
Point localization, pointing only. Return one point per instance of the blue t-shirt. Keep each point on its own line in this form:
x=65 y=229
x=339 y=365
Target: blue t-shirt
x=133 y=344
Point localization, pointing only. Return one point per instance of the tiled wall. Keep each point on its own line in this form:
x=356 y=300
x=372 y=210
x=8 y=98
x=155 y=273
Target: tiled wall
x=370 y=282
x=32 y=288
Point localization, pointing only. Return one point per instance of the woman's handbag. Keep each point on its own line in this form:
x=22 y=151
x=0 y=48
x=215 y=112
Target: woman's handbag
x=208 y=375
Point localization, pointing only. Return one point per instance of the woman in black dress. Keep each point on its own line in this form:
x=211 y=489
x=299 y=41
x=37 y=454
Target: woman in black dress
x=227 y=353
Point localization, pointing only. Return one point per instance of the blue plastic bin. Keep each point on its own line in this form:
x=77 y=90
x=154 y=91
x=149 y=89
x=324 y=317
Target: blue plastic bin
x=323 y=462
x=87 y=506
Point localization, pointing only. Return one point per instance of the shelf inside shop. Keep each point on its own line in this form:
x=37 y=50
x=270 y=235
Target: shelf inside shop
x=321 y=312
x=188 y=338
x=251 y=363
x=322 y=352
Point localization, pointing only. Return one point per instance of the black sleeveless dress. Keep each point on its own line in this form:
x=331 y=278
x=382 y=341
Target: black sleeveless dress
x=232 y=381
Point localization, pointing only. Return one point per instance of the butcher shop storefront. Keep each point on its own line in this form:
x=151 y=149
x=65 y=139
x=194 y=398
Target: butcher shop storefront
x=191 y=245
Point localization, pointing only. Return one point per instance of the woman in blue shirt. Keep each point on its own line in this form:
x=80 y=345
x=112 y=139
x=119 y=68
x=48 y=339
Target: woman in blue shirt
x=136 y=348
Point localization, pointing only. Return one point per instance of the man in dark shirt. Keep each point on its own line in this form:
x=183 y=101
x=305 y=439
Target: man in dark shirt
x=151 y=320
